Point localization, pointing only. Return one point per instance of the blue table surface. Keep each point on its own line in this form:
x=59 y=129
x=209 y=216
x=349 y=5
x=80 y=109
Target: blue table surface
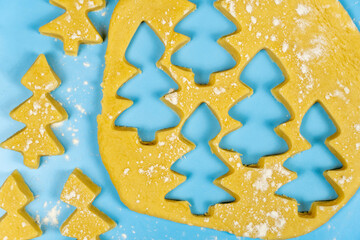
x=80 y=94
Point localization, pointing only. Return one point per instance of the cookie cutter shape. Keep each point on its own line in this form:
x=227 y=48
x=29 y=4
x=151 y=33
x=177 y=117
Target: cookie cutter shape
x=145 y=51
x=86 y=222
x=331 y=77
x=259 y=113
x=16 y=224
x=38 y=113
x=201 y=166
x=74 y=26
x=204 y=29
x=313 y=164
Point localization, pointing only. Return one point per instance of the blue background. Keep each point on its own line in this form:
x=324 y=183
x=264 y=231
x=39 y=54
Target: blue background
x=80 y=94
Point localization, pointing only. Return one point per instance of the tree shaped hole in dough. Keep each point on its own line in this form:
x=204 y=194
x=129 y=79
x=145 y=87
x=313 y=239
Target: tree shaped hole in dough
x=74 y=26
x=38 y=113
x=203 y=55
x=149 y=113
x=259 y=113
x=311 y=184
x=199 y=188
x=87 y=222
x=16 y=224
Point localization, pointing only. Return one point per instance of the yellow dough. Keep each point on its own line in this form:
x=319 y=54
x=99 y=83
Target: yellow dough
x=38 y=113
x=87 y=222
x=74 y=26
x=317 y=47
x=16 y=224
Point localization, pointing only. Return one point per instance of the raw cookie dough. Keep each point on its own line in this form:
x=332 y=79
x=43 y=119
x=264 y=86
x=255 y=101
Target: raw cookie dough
x=38 y=113
x=317 y=47
x=74 y=26
x=16 y=224
x=87 y=222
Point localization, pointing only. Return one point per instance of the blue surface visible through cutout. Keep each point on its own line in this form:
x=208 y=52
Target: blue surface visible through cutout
x=310 y=165
x=201 y=166
x=148 y=114
x=80 y=94
x=259 y=113
x=203 y=55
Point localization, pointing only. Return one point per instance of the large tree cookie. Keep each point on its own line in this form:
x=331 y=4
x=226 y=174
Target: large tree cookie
x=39 y=112
x=316 y=46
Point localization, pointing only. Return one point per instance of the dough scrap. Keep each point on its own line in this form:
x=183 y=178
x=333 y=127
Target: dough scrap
x=74 y=26
x=16 y=224
x=38 y=113
x=317 y=47
x=86 y=222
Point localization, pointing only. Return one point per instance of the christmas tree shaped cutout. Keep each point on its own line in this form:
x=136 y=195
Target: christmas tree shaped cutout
x=38 y=113
x=87 y=222
x=259 y=114
x=16 y=224
x=201 y=165
x=149 y=113
x=74 y=26
x=311 y=185
x=203 y=55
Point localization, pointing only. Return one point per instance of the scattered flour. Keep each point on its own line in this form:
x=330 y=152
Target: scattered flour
x=357 y=127
x=249 y=8
x=345 y=180
x=172 y=97
x=261 y=184
x=357 y=146
x=71 y=195
x=303 y=10
x=219 y=90
x=80 y=108
x=276 y=22
x=260 y=229
x=231 y=7
x=126 y=171
x=75 y=141
x=319 y=48
x=28 y=143
x=253 y=19
x=52 y=216
x=285 y=46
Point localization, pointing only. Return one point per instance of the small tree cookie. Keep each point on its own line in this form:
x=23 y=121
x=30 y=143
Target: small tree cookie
x=87 y=222
x=38 y=113
x=16 y=224
x=74 y=26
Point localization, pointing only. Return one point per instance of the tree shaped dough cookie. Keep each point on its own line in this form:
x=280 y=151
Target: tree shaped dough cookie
x=38 y=113
x=16 y=224
x=74 y=26
x=87 y=222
